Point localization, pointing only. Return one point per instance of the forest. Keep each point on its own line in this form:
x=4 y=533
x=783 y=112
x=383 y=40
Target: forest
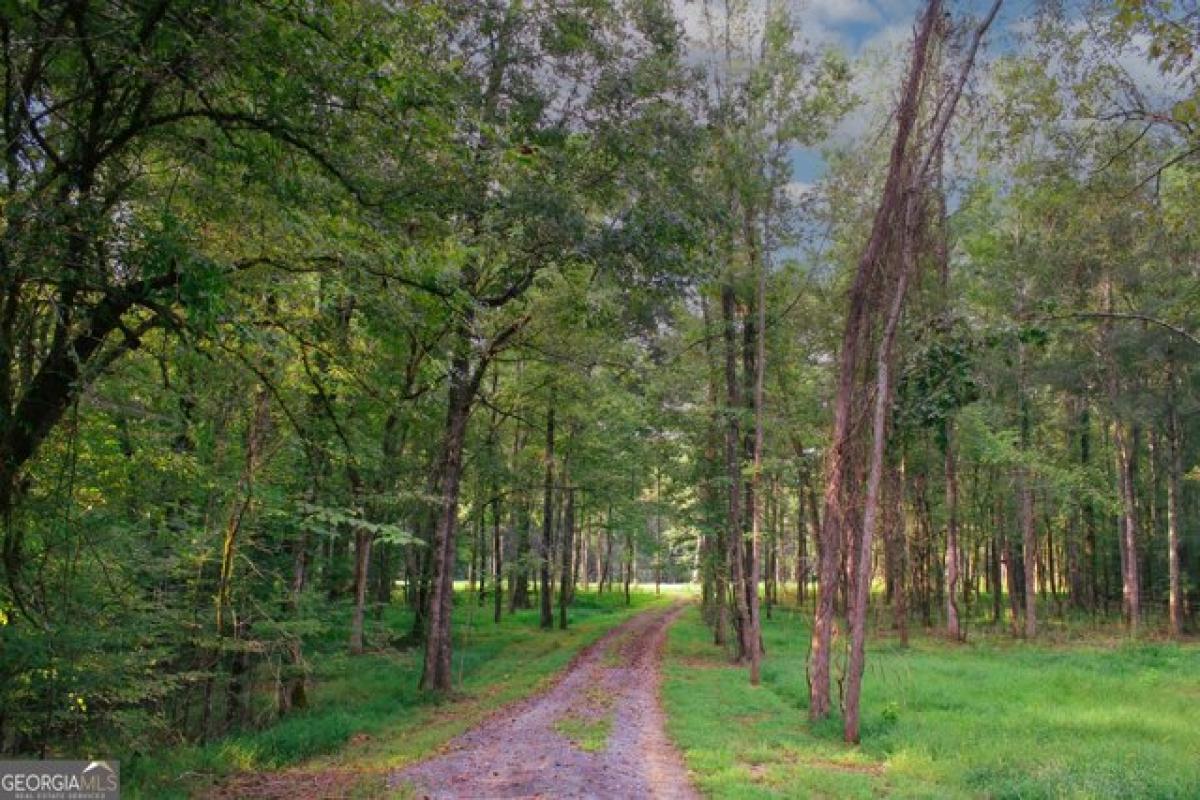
x=791 y=399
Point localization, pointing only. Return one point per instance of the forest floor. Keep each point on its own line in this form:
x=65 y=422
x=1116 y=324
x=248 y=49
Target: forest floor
x=1081 y=713
x=598 y=733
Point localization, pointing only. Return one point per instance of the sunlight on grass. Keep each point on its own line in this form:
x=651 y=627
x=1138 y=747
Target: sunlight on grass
x=987 y=719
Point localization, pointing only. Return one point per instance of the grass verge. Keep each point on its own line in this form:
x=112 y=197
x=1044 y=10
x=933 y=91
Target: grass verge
x=366 y=713
x=993 y=718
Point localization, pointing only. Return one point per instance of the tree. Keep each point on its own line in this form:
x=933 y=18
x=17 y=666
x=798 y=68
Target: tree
x=900 y=208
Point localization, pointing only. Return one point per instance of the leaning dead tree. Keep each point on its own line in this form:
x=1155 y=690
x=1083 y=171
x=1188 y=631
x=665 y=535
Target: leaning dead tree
x=887 y=266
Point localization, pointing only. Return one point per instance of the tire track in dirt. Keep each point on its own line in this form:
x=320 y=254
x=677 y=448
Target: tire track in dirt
x=528 y=750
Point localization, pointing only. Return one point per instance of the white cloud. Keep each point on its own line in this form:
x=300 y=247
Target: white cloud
x=1144 y=72
x=816 y=21
x=842 y=11
x=891 y=39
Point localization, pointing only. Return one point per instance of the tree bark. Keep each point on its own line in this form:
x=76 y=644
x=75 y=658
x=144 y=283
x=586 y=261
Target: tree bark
x=1131 y=596
x=465 y=377
x=293 y=692
x=547 y=618
x=606 y=564
x=228 y=626
x=1029 y=542
x=255 y=439
x=735 y=556
x=953 y=630
x=801 y=545
x=896 y=548
x=628 y=566
x=1029 y=548
x=879 y=430
x=437 y=675
x=996 y=588
x=839 y=467
x=1174 y=470
x=756 y=484
x=362 y=561
x=719 y=548
x=565 y=588
x=1010 y=574
x=519 y=592
x=497 y=559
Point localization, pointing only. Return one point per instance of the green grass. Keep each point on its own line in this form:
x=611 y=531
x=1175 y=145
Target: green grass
x=589 y=724
x=588 y=733
x=993 y=718
x=366 y=713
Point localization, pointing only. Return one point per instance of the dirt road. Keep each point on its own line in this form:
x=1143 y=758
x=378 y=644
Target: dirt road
x=598 y=733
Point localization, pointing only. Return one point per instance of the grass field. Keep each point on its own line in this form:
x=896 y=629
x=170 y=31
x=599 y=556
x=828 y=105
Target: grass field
x=993 y=718
x=366 y=713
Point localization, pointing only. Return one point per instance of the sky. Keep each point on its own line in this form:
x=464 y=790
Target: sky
x=874 y=34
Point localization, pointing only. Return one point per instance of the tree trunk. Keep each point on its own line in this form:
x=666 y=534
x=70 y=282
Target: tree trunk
x=840 y=467
x=814 y=516
x=362 y=561
x=1051 y=566
x=1029 y=551
x=718 y=535
x=518 y=579
x=497 y=558
x=997 y=588
x=801 y=545
x=1123 y=456
x=565 y=586
x=547 y=619
x=953 y=629
x=293 y=691
x=1174 y=470
x=587 y=548
x=606 y=565
x=464 y=383
x=1010 y=574
x=1131 y=599
x=519 y=595
x=735 y=556
x=879 y=431
x=658 y=552
x=227 y=625
x=1090 y=552
x=756 y=484
x=896 y=549
x=579 y=561
x=1025 y=498
x=628 y=566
